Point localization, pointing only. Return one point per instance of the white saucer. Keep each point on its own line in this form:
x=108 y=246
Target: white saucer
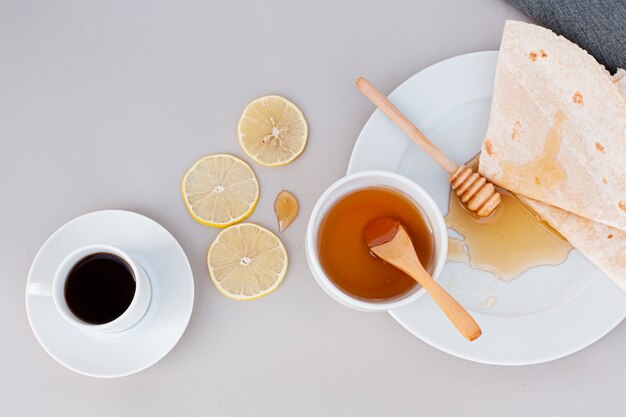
x=131 y=351
x=547 y=313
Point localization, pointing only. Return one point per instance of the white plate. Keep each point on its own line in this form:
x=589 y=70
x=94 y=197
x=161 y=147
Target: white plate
x=141 y=346
x=548 y=312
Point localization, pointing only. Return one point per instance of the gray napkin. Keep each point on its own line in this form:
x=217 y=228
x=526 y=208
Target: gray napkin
x=598 y=26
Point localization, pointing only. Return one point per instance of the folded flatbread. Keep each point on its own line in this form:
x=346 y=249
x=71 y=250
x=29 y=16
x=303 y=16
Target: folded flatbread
x=604 y=245
x=619 y=79
x=557 y=129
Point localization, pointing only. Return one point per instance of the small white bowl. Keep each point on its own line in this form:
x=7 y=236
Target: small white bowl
x=368 y=179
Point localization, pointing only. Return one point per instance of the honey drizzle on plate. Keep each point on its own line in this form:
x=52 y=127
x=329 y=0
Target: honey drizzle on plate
x=508 y=242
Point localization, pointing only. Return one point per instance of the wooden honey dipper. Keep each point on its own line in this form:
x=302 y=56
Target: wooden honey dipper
x=479 y=195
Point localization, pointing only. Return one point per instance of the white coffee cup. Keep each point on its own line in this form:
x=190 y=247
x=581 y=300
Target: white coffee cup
x=56 y=289
x=368 y=179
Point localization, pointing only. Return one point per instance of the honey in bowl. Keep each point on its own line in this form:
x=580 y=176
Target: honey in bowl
x=346 y=258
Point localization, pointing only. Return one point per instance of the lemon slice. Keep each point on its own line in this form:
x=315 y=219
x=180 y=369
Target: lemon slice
x=247 y=261
x=272 y=131
x=220 y=190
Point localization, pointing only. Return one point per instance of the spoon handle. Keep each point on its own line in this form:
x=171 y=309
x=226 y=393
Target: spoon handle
x=403 y=123
x=458 y=316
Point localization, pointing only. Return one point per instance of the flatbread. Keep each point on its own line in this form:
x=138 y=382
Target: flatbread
x=619 y=79
x=557 y=129
x=603 y=245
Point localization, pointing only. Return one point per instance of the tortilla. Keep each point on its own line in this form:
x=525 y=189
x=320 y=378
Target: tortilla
x=619 y=79
x=603 y=245
x=557 y=129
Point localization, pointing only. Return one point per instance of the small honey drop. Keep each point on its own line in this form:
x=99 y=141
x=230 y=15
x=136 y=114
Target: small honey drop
x=286 y=208
x=456 y=250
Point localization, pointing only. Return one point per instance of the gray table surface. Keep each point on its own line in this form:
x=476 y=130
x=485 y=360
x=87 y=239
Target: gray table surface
x=105 y=104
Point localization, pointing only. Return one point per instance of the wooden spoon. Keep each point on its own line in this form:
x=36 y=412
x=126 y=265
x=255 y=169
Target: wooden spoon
x=388 y=240
x=479 y=195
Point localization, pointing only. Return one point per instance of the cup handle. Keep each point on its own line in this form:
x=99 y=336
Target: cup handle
x=39 y=288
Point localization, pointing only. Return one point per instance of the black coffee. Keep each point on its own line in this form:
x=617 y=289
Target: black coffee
x=99 y=288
